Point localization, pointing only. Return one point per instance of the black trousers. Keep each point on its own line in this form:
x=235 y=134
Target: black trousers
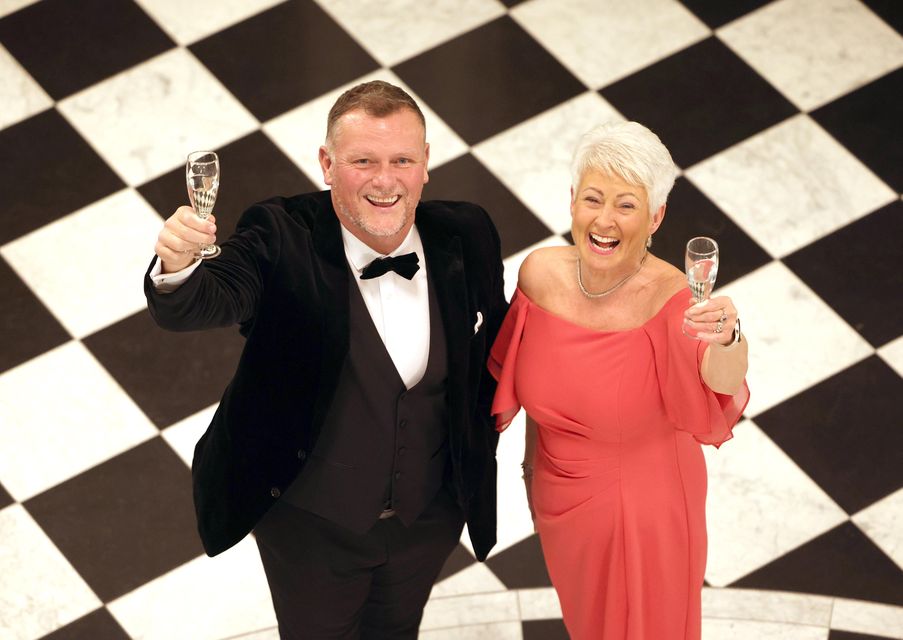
x=330 y=583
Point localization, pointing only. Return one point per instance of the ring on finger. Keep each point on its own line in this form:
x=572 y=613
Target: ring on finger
x=719 y=327
x=723 y=317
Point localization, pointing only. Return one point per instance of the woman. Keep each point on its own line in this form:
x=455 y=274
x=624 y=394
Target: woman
x=619 y=398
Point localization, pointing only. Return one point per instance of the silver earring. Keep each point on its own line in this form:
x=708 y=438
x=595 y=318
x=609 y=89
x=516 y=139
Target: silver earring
x=649 y=242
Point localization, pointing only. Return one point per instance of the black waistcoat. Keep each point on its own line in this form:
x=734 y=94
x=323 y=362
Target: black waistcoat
x=382 y=444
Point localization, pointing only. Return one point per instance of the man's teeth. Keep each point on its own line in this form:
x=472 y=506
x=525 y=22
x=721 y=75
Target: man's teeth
x=387 y=200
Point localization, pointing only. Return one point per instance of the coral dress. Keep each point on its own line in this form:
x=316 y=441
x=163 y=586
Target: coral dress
x=619 y=481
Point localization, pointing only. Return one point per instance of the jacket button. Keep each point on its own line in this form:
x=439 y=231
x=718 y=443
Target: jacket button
x=401 y=451
x=403 y=424
x=275 y=492
x=398 y=475
x=302 y=454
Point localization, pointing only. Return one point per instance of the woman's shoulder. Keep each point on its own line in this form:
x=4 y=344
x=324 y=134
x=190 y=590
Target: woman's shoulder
x=542 y=271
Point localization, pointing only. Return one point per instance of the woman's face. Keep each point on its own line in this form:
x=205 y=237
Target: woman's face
x=610 y=222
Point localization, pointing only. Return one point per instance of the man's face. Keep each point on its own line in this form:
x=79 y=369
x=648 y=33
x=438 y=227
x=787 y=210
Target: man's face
x=376 y=169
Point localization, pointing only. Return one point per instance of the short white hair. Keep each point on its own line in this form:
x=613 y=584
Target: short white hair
x=630 y=151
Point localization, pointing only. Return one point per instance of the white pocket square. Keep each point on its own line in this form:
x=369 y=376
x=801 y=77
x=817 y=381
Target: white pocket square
x=479 y=323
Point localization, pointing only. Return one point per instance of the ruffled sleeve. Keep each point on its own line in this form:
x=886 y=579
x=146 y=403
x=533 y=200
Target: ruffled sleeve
x=689 y=402
x=503 y=360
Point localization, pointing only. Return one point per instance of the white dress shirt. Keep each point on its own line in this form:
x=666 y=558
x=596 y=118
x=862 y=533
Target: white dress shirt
x=400 y=308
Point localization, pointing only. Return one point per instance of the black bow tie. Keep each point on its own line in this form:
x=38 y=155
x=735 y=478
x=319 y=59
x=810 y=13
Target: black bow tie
x=405 y=266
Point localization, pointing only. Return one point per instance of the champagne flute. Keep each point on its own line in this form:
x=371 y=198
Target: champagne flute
x=202 y=177
x=701 y=262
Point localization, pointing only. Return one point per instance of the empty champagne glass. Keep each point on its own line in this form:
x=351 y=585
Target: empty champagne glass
x=202 y=178
x=701 y=262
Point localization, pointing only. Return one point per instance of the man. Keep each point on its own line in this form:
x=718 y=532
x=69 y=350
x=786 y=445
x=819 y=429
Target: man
x=355 y=438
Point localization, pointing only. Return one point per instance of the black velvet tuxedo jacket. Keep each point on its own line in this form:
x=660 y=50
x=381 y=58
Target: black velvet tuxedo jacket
x=283 y=277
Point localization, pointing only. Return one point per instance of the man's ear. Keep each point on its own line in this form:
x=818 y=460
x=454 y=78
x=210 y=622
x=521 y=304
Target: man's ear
x=426 y=163
x=326 y=165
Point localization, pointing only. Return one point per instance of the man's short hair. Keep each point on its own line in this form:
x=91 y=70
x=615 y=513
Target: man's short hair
x=376 y=98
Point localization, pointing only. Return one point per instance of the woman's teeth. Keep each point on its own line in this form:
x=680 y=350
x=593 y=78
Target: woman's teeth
x=604 y=242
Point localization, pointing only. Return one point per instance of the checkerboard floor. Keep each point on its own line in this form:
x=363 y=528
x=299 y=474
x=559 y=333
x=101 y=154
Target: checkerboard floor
x=783 y=116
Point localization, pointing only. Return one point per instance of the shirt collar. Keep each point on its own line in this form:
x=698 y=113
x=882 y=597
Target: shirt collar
x=360 y=255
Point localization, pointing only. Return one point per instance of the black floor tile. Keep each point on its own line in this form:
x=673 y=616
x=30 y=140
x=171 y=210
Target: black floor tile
x=169 y=375
x=489 y=79
x=521 y=566
x=97 y=625
x=27 y=327
x=889 y=10
x=849 y=635
x=842 y=562
x=459 y=560
x=253 y=169
x=544 y=630
x=55 y=172
x=465 y=178
x=690 y=213
x=856 y=271
x=699 y=101
x=845 y=433
x=868 y=123
x=716 y=13
x=283 y=57
x=124 y=522
x=5 y=498
x=68 y=46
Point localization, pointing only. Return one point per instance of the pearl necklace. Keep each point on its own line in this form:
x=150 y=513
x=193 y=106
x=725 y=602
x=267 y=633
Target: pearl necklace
x=610 y=290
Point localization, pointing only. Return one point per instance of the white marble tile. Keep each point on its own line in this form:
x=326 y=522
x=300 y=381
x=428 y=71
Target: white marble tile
x=39 y=590
x=205 y=599
x=883 y=523
x=87 y=267
x=477 y=578
x=857 y=616
x=263 y=634
x=600 y=42
x=302 y=131
x=475 y=609
x=538 y=604
x=512 y=266
x=747 y=630
x=790 y=185
x=49 y=425
x=767 y=606
x=493 y=631
x=892 y=354
x=533 y=159
x=11 y=6
x=760 y=505
x=20 y=96
x=145 y=120
x=186 y=22
x=514 y=522
x=815 y=50
x=788 y=327
x=183 y=435
x=400 y=29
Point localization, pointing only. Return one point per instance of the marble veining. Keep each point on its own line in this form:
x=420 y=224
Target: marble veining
x=790 y=185
x=858 y=616
x=883 y=523
x=144 y=121
x=760 y=505
x=86 y=300
x=815 y=50
x=399 y=29
x=66 y=431
x=464 y=610
x=601 y=42
x=187 y=22
x=773 y=302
